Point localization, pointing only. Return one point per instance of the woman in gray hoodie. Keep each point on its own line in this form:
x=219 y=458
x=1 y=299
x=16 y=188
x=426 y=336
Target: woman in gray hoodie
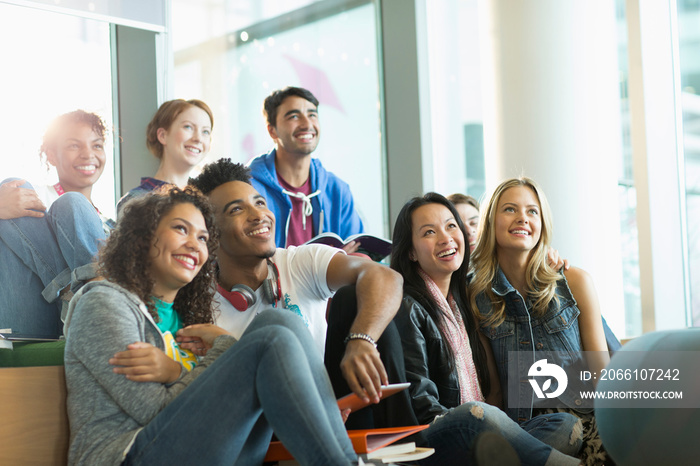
x=152 y=381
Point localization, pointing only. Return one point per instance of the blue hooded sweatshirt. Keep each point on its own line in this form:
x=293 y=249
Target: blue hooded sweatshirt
x=333 y=209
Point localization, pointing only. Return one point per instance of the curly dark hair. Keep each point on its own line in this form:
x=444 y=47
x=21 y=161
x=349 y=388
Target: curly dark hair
x=217 y=173
x=58 y=125
x=125 y=258
x=274 y=100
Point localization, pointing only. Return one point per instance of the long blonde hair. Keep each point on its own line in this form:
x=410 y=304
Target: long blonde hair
x=540 y=278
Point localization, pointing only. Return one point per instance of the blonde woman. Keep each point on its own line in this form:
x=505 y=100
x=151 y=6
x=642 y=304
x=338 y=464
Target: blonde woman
x=529 y=307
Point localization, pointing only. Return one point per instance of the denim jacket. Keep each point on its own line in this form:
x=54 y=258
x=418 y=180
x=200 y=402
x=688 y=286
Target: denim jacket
x=556 y=331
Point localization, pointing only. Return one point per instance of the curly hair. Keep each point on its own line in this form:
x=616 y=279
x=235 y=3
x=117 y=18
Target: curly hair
x=164 y=118
x=125 y=258
x=217 y=173
x=58 y=126
x=540 y=278
x=274 y=100
x=414 y=285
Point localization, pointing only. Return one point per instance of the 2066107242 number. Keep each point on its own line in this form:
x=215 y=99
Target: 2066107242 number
x=640 y=374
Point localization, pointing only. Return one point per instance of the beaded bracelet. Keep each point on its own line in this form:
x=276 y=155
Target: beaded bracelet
x=360 y=336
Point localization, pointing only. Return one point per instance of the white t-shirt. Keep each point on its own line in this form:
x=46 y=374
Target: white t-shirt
x=47 y=194
x=305 y=292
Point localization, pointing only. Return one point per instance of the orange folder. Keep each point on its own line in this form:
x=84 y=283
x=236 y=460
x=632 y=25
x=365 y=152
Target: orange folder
x=363 y=441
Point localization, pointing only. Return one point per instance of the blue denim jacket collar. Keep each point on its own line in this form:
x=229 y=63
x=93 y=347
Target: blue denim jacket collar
x=501 y=286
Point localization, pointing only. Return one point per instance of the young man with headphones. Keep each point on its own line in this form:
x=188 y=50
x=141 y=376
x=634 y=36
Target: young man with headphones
x=255 y=276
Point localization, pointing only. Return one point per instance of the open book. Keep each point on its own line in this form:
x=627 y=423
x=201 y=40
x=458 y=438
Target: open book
x=375 y=247
x=363 y=441
x=400 y=452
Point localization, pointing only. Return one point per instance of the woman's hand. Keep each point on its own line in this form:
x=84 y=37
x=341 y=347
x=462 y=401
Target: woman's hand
x=143 y=362
x=199 y=338
x=16 y=202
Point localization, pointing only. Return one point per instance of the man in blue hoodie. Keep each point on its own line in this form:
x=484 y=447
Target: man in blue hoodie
x=305 y=198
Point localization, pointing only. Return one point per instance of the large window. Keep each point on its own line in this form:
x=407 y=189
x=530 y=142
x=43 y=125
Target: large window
x=627 y=194
x=454 y=56
x=689 y=53
x=243 y=50
x=52 y=64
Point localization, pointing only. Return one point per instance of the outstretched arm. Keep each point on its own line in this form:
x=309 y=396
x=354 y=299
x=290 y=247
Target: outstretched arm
x=379 y=292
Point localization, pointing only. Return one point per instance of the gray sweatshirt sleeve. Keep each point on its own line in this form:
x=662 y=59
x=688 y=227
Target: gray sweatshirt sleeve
x=103 y=323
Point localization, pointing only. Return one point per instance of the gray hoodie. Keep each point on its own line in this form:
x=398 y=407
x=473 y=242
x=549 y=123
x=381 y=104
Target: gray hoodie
x=105 y=409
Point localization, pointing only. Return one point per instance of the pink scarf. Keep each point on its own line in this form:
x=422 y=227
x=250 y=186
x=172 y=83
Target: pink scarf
x=456 y=333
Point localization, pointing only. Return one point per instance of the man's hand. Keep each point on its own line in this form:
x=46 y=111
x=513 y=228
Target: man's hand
x=345 y=414
x=143 y=362
x=363 y=370
x=555 y=261
x=351 y=247
x=16 y=202
x=199 y=338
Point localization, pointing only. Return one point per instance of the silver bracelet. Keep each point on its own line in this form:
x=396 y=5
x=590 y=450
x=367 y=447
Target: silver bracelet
x=360 y=336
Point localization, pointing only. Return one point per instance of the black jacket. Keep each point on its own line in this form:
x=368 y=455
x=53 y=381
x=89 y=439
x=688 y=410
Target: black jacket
x=434 y=387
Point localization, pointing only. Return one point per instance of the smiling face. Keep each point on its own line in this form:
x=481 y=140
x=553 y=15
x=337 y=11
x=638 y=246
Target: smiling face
x=79 y=157
x=247 y=225
x=518 y=221
x=297 y=129
x=438 y=243
x=188 y=139
x=178 y=250
x=470 y=218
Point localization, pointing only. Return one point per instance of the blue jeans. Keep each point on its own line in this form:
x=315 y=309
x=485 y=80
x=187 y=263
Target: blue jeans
x=272 y=378
x=39 y=257
x=453 y=435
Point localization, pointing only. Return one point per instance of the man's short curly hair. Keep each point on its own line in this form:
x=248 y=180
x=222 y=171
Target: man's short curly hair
x=125 y=258
x=217 y=173
x=274 y=100
x=58 y=126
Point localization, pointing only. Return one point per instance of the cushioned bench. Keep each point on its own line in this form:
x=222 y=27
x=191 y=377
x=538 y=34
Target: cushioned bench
x=34 y=427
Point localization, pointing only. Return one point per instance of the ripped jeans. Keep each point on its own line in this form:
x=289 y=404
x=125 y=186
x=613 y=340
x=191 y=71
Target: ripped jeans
x=542 y=440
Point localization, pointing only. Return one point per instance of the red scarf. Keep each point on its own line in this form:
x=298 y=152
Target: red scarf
x=456 y=333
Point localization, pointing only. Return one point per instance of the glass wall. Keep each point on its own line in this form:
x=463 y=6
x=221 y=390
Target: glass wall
x=456 y=111
x=52 y=64
x=243 y=50
x=627 y=194
x=689 y=51
x=454 y=57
